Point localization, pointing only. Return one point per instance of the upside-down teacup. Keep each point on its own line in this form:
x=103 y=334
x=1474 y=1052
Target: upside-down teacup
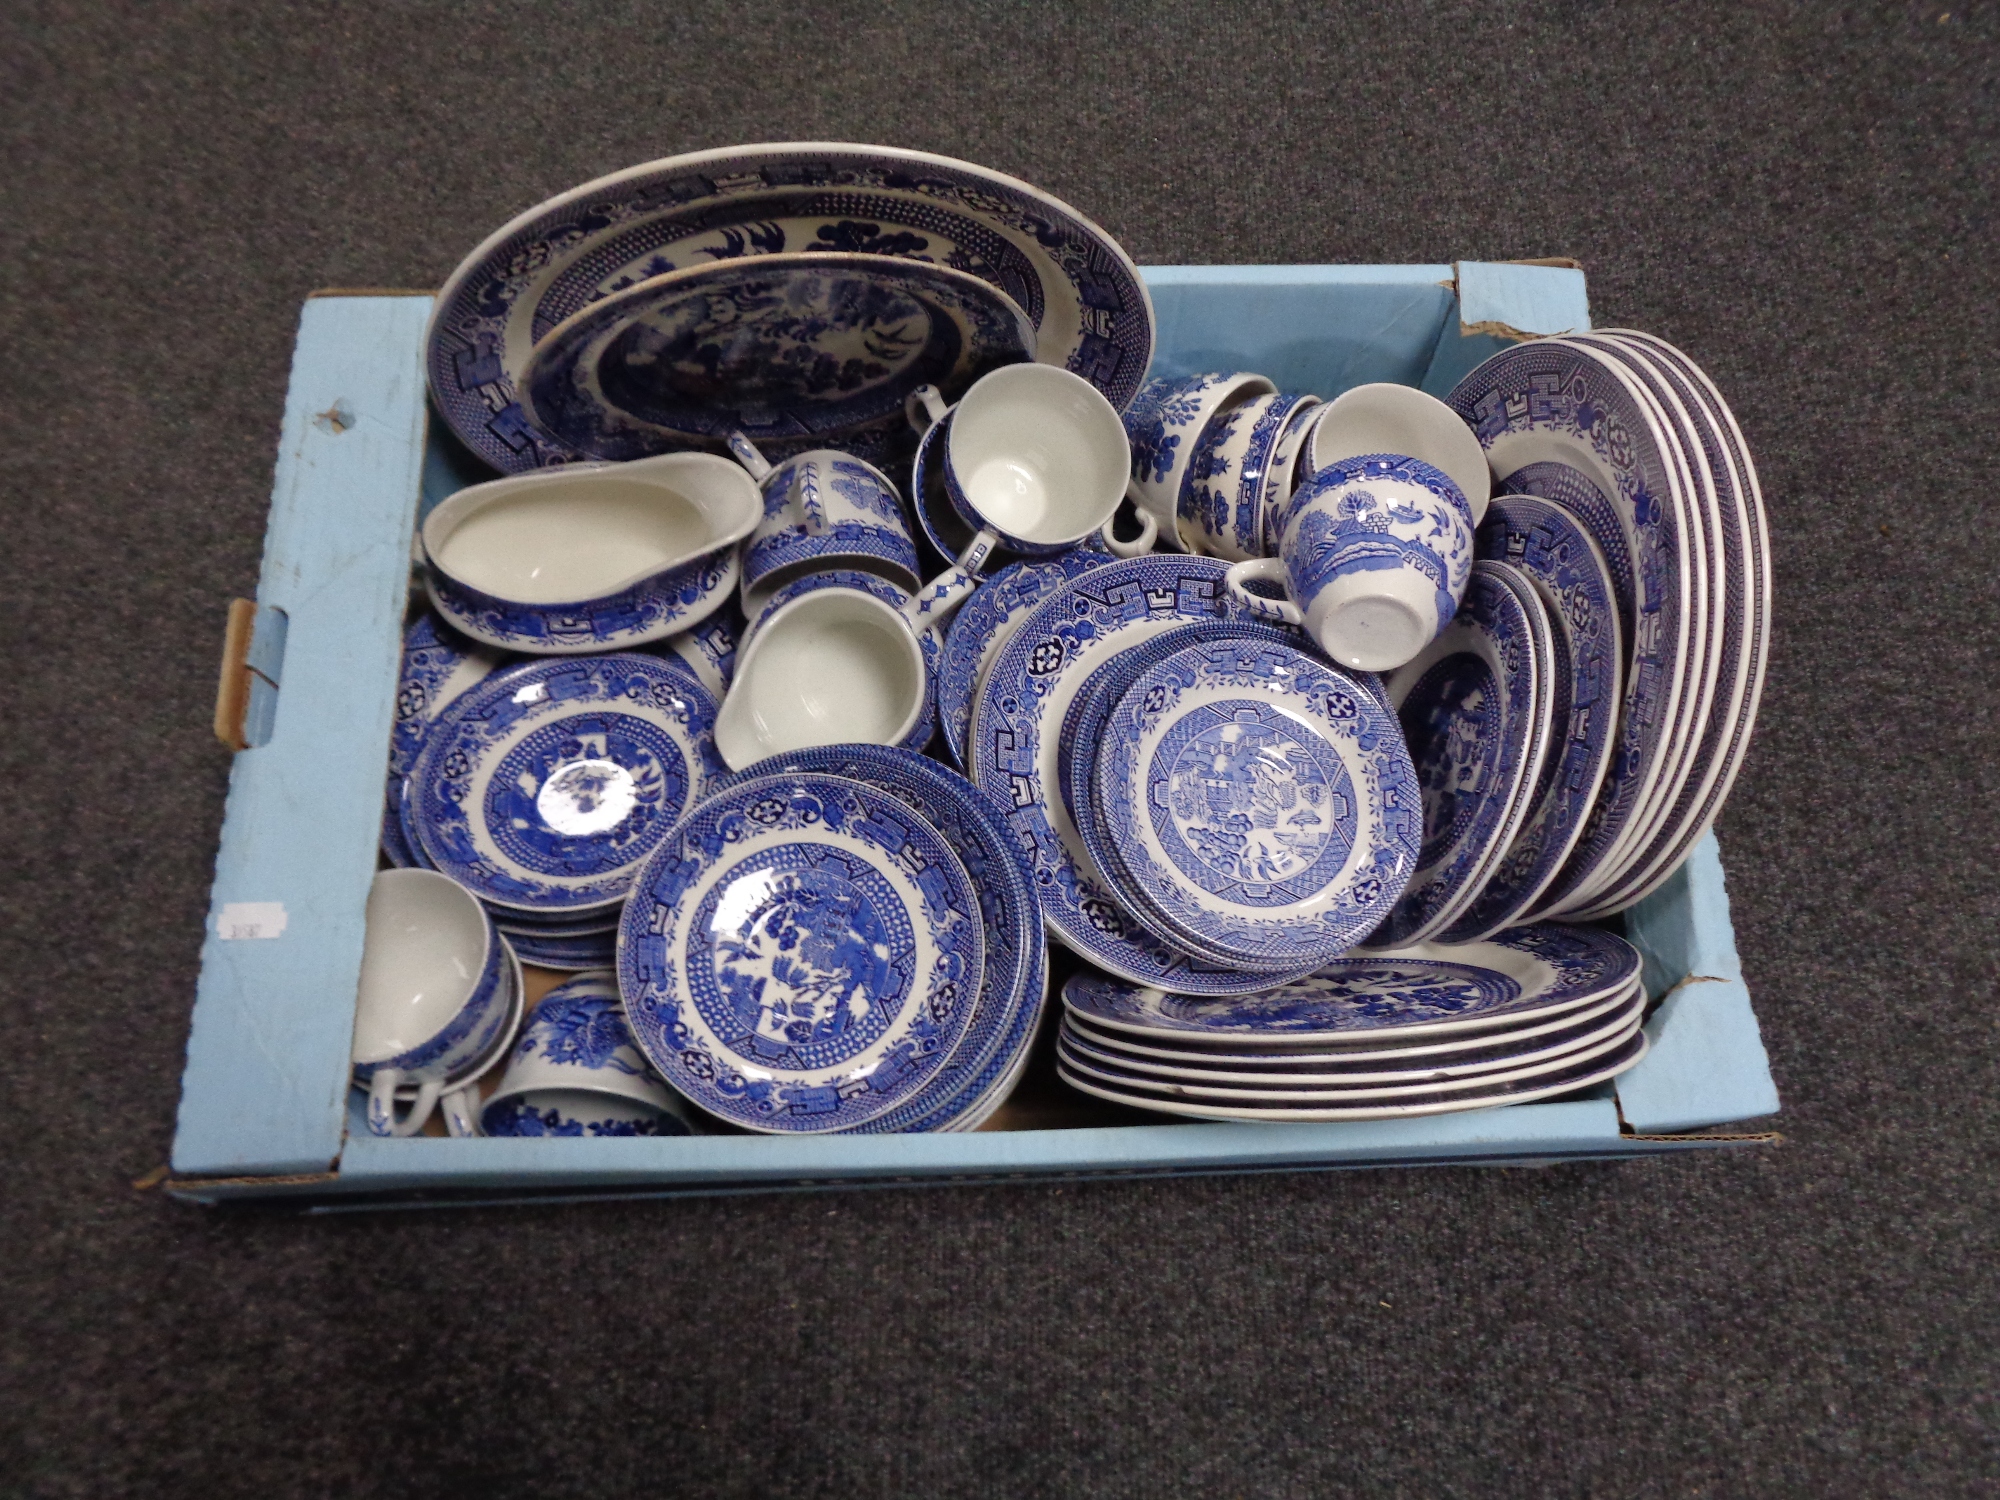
x=575 y=1071
x=822 y=509
x=1374 y=559
x=589 y=557
x=436 y=991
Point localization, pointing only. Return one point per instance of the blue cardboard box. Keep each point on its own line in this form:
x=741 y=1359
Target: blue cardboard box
x=265 y=1108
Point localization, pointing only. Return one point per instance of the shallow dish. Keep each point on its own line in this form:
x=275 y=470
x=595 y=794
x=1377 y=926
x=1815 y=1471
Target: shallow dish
x=547 y=785
x=1429 y=991
x=801 y=346
x=803 y=953
x=1262 y=803
x=439 y=665
x=1018 y=752
x=1548 y=547
x=987 y=1062
x=1090 y=308
x=1473 y=708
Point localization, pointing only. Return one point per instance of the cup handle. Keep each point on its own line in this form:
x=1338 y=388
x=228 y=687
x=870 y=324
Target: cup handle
x=461 y=1112
x=1140 y=545
x=931 y=400
x=1263 y=570
x=382 y=1117
x=932 y=605
x=746 y=454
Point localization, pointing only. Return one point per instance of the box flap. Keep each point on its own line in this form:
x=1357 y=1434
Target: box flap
x=1502 y=303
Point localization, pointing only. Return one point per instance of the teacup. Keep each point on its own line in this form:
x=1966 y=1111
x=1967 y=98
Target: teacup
x=589 y=557
x=822 y=509
x=833 y=666
x=1282 y=479
x=1165 y=423
x=1374 y=557
x=1390 y=418
x=575 y=1071
x=436 y=990
x=1234 y=472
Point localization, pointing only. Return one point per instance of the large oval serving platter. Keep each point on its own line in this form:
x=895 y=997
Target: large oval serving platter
x=802 y=954
x=1090 y=307
x=545 y=787
x=1426 y=991
x=782 y=348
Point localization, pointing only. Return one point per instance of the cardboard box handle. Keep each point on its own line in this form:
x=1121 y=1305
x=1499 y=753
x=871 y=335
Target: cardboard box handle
x=246 y=693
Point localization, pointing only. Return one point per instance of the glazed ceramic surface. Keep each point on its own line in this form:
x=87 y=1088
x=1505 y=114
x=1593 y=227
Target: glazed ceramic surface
x=434 y=992
x=547 y=785
x=1386 y=1049
x=591 y=951
x=803 y=954
x=1525 y=1091
x=1089 y=305
x=1558 y=422
x=822 y=509
x=1287 y=1092
x=1369 y=1070
x=1374 y=557
x=1472 y=711
x=577 y=1043
x=833 y=666
x=1018 y=749
x=439 y=664
x=590 y=559
x=987 y=1062
x=807 y=346
x=1262 y=802
x=984 y=623
x=1165 y=425
x=1429 y=991
x=709 y=649
x=1548 y=547
x=1238 y=466
x=1388 y=418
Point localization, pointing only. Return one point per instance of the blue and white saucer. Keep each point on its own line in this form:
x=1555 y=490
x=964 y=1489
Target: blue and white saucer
x=1089 y=305
x=567 y=953
x=1473 y=709
x=983 y=624
x=1263 y=804
x=1017 y=750
x=802 y=953
x=546 y=786
x=987 y=1062
x=1548 y=547
x=808 y=346
x=439 y=665
x=1526 y=973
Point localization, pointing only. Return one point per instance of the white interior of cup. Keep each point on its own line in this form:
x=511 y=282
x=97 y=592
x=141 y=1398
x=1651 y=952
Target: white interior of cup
x=567 y=537
x=1040 y=453
x=1390 y=418
x=832 y=667
x=424 y=951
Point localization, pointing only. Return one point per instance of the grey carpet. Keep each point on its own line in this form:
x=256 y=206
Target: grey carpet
x=1802 y=199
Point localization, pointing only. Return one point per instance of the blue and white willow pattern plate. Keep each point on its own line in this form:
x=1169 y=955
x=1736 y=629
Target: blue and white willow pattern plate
x=1009 y=1006
x=809 y=346
x=439 y=665
x=1017 y=750
x=1581 y=1075
x=1263 y=803
x=1546 y=545
x=1470 y=706
x=596 y=951
x=1557 y=422
x=982 y=625
x=1524 y=973
x=802 y=954
x=546 y=786
x=1090 y=307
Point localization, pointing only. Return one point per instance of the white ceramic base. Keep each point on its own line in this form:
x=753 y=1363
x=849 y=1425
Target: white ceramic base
x=1375 y=621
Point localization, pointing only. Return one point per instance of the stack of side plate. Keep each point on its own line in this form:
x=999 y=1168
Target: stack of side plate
x=1629 y=439
x=1543 y=1010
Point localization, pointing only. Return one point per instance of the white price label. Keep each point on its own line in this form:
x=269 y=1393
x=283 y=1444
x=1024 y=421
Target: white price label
x=250 y=919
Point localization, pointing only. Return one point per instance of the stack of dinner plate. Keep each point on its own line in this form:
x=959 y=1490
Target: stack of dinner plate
x=1540 y=1011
